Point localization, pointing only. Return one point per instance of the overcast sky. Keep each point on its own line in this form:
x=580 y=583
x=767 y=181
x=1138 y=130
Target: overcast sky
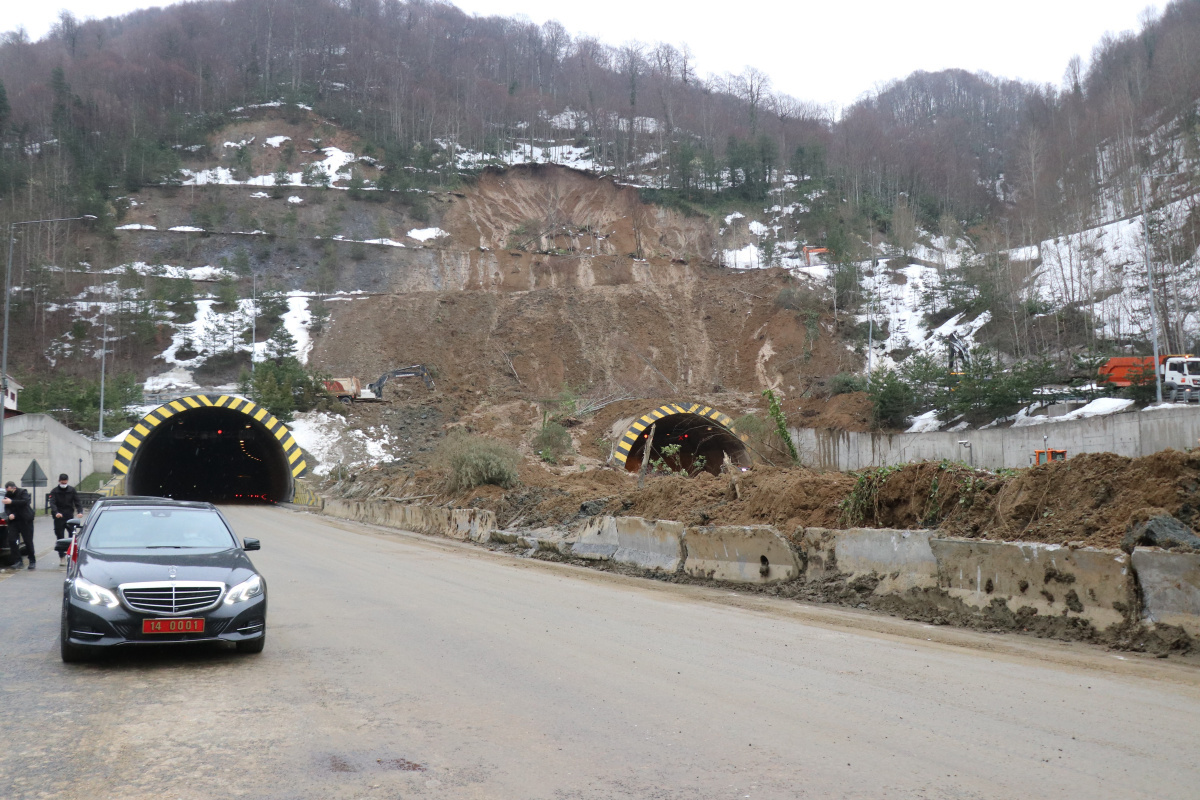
x=829 y=52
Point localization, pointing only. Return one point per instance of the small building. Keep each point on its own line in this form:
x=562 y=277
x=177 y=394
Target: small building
x=10 y=398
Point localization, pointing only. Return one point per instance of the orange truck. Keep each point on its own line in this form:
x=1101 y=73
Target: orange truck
x=1179 y=373
x=348 y=390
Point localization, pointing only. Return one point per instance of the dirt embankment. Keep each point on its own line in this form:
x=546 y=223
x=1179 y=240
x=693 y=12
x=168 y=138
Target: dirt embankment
x=692 y=331
x=1092 y=499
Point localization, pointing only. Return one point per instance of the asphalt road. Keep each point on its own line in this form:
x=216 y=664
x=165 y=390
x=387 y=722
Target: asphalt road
x=402 y=666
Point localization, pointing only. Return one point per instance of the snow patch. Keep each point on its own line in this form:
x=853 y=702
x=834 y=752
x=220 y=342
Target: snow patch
x=332 y=442
x=425 y=234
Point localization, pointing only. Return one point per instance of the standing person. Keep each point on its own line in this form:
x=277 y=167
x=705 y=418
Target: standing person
x=64 y=503
x=20 y=520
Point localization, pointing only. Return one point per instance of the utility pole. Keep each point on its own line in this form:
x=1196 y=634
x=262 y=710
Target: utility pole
x=103 y=354
x=253 y=319
x=1150 y=280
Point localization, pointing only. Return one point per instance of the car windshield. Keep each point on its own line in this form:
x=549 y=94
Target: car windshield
x=1193 y=368
x=154 y=528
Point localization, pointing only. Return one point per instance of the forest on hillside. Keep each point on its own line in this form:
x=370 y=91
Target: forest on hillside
x=115 y=96
x=100 y=108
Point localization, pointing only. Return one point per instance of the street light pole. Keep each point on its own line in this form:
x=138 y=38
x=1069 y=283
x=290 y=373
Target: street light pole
x=103 y=354
x=1150 y=281
x=12 y=231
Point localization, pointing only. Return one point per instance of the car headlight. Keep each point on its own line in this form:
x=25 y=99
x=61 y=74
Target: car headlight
x=251 y=587
x=94 y=595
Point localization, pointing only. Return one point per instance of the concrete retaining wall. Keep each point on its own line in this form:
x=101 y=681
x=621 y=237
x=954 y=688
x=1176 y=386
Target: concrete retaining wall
x=902 y=560
x=1091 y=584
x=1132 y=434
x=1170 y=584
x=749 y=554
x=647 y=544
x=54 y=446
x=460 y=523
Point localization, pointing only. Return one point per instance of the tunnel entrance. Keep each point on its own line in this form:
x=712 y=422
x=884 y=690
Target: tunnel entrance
x=221 y=450
x=687 y=439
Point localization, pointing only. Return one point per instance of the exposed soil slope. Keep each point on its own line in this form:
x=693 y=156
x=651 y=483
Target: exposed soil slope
x=1091 y=499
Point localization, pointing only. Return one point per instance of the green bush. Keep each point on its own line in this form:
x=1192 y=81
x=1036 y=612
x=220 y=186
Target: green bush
x=1143 y=383
x=846 y=383
x=552 y=442
x=469 y=461
x=892 y=400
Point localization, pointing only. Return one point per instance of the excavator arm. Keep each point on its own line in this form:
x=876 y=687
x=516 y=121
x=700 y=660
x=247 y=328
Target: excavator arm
x=415 y=371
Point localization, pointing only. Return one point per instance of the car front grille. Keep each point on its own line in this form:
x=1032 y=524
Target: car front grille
x=172 y=597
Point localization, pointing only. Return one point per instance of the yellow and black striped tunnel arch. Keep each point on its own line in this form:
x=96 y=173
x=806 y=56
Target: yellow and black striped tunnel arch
x=206 y=447
x=678 y=420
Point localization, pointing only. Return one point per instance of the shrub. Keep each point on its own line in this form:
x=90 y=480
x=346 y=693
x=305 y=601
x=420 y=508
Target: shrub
x=469 y=461
x=552 y=442
x=847 y=382
x=892 y=400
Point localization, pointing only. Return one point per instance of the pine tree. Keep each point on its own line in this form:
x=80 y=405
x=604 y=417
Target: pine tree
x=281 y=344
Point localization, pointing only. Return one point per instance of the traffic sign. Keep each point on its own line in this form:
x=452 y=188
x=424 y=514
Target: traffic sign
x=34 y=476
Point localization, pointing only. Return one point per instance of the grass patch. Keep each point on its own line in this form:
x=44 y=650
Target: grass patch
x=468 y=460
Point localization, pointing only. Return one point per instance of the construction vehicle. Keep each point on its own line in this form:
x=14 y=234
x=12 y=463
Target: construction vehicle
x=809 y=252
x=351 y=390
x=1046 y=456
x=415 y=371
x=960 y=353
x=1179 y=373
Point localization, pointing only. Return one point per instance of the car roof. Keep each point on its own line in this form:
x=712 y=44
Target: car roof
x=142 y=502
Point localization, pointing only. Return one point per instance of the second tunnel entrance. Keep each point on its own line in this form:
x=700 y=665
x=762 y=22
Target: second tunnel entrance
x=687 y=439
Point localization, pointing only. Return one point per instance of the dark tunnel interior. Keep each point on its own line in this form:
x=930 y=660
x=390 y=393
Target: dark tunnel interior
x=212 y=454
x=702 y=446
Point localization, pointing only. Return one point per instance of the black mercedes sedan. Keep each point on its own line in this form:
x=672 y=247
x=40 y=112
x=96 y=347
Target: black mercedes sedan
x=148 y=570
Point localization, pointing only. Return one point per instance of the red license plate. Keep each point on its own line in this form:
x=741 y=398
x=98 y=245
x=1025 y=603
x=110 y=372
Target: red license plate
x=172 y=626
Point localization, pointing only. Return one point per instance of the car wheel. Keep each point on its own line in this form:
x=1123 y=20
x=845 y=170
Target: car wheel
x=253 y=645
x=71 y=653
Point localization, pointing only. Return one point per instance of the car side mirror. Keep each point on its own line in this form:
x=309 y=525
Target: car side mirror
x=251 y=544
x=73 y=525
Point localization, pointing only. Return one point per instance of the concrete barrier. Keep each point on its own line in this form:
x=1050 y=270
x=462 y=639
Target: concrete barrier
x=460 y=523
x=901 y=560
x=647 y=544
x=303 y=495
x=1170 y=585
x=595 y=539
x=750 y=554
x=1089 y=584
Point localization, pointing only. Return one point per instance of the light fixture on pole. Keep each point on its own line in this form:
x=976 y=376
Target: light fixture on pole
x=12 y=232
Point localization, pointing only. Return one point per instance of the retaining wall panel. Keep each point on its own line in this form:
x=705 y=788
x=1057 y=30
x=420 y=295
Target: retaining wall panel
x=735 y=554
x=1093 y=584
x=1170 y=584
x=595 y=539
x=649 y=544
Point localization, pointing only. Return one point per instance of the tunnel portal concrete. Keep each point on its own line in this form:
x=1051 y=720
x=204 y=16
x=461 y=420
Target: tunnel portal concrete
x=700 y=432
x=221 y=449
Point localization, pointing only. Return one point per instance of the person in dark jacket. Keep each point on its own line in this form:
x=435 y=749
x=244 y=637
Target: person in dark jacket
x=19 y=510
x=64 y=504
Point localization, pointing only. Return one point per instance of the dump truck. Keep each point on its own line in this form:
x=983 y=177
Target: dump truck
x=1180 y=374
x=351 y=390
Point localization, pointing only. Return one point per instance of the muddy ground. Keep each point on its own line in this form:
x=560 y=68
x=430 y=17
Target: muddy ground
x=1089 y=500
